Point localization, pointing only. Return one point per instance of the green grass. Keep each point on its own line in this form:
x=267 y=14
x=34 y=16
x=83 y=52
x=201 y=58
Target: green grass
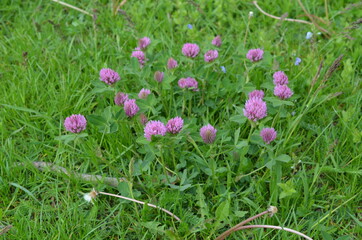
x=50 y=58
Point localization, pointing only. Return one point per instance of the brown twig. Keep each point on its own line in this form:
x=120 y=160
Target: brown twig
x=5 y=229
x=312 y=19
x=225 y=234
x=279 y=18
x=44 y=166
x=119 y=6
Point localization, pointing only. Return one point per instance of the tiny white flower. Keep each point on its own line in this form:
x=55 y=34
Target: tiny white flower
x=87 y=197
x=251 y=14
x=309 y=35
x=272 y=210
x=90 y=196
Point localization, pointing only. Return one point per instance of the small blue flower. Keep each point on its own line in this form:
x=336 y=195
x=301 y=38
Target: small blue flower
x=309 y=35
x=189 y=26
x=297 y=61
x=223 y=69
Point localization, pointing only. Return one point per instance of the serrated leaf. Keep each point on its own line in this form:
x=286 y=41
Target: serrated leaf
x=201 y=202
x=288 y=189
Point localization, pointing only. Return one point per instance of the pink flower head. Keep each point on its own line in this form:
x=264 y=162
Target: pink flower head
x=216 y=41
x=154 y=128
x=280 y=78
x=255 y=55
x=268 y=134
x=211 y=55
x=159 y=76
x=175 y=125
x=109 y=76
x=130 y=107
x=143 y=119
x=188 y=83
x=208 y=133
x=75 y=123
x=144 y=42
x=255 y=109
x=256 y=94
x=144 y=93
x=140 y=56
x=190 y=50
x=120 y=98
x=282 y=91
x=171 y=63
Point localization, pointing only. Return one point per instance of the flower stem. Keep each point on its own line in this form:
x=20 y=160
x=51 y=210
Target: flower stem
x=275 y=227
x=236 y=227
x=143 y=203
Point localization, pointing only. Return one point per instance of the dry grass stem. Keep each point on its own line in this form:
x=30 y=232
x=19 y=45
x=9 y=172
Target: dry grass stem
x=275 y=227
x=279 y=18
x=44 y=166
x=143 y=203
x=72 y=7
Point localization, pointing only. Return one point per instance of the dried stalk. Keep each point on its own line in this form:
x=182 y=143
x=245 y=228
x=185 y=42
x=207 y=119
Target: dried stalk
x=73 y=7
x=143 y=203
x=5 y=229
x=225 y=234
x=275 y=227
x=279 y=18
x=44 y=166
x=312 y=19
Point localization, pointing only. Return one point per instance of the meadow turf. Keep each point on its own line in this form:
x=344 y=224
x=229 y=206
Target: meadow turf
x=50 y=58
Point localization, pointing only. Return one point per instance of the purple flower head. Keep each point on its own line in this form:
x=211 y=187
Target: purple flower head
x=144 y=93
x=109 y=76
x=255 y=109
x=140 y=56
x=171 y=63
x=190 y=50
x=216 y=41
x=282 y=91
x=297 y=61
x=280 y=78
x=175 y=125
x=130 y=107
x=189 y=26
x=154 y=128
x=144 y=42
x=75 y=123
x=223 y=69
x=256 y=94
x=188 y=83
x=159 y=76
x=143 y=119
x=255 y=55
x=208 y=133
x=268 y=134
x=120 y=98
x=211 y=55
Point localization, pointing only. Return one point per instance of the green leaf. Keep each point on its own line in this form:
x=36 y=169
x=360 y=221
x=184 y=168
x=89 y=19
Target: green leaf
x=70 y=137
x=222 y=211
x=288 y=189
x=238 y=119
x=278 y=102
x=283 y=158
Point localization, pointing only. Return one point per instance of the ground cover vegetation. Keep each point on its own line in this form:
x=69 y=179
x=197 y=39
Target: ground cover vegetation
x=210 y=110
